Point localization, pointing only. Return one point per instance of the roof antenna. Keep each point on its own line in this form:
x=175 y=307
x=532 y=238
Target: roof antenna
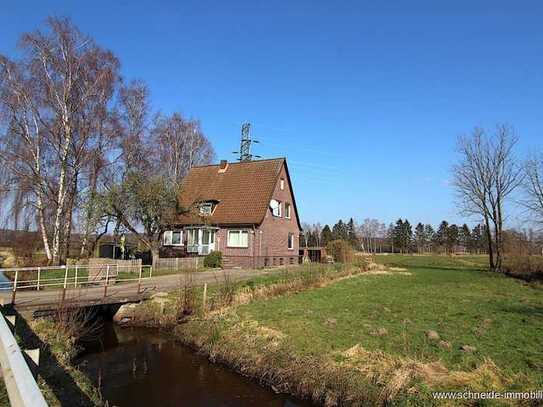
x=245 y=146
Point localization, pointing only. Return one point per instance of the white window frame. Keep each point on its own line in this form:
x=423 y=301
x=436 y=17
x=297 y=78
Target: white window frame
x=206 y=212
x=279 y=205
x=288 y=210
x=290 y=241
x=193 y=233
x=167 y=238
x=282 y=184
x=240 y=244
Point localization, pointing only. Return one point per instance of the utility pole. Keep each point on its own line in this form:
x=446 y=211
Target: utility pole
x=245 y=146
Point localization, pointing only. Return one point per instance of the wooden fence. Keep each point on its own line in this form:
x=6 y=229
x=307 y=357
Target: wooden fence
x=179 y=263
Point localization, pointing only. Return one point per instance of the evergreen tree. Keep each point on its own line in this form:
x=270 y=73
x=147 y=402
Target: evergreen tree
x=429 y=233
x=465 y=238
x=397 y=235
x=326 y=235
x=351 y=234
x=407 y=236
x=451 y=240
x=339 y=231
x=440 y=238
x=420 y=237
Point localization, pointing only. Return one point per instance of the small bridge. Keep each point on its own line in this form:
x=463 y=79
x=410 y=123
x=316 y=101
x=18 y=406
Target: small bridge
x=43 y=288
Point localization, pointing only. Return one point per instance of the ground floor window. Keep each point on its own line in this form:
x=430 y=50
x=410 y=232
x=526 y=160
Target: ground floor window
x=173 y=238
x=238 y=238
x=192 y=237
x=291 y=241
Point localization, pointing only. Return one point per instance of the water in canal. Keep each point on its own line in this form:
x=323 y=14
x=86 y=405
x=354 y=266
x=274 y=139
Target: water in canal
x=142 y=367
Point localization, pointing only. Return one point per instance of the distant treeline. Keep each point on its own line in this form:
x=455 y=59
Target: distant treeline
x=401 y=237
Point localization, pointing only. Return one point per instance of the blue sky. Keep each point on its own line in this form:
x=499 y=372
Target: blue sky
x=365 y=99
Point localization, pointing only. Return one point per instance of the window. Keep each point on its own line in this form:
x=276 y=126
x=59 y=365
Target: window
x=173 y=238
x=282 y=184
x=291 y=241
x=192 y=237
x=238 y=238
x=287 y=210
x=206 y=209
x=275 y=207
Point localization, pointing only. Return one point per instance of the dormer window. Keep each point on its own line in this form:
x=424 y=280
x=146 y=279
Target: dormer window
x=275 y=207
x=206 y=208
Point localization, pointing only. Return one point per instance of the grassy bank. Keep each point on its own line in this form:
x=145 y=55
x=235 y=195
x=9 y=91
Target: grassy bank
x=442 y=324
x=60 y=382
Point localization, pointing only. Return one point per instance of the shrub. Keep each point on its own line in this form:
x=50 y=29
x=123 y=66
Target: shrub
x=341 y=251
x=213 y=260
x=528 y=268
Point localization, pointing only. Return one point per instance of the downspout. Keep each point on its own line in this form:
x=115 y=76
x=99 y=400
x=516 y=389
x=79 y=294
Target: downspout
x=254 y=247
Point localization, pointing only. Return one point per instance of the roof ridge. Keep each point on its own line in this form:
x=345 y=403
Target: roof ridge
x=241 y=162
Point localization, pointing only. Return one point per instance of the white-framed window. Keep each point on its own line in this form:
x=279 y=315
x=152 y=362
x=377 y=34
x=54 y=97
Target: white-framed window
x=287 y=210
x=238 y=238
x=291 y=241
x=282 y=184
x=275 y=207
x=173 y=238
x=192 y=237
x=206 y=208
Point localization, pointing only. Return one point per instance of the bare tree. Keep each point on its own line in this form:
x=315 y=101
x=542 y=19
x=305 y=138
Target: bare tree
x=533 y=187
x=181 y=145
x=49 y=98
x=141 y=192
x=484 y=179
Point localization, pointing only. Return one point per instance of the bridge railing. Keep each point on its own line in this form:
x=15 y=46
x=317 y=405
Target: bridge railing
x=23 y=391
x=72 y=276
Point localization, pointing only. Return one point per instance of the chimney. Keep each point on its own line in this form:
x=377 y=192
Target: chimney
x=223 y=166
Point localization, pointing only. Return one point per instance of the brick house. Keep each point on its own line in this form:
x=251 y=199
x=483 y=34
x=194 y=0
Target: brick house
x=245 y=210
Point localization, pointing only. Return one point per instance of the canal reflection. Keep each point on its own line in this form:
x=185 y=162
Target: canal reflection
x=142 y=367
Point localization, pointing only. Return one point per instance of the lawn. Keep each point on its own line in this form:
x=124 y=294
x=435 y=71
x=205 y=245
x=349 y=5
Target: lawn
x=502 y=318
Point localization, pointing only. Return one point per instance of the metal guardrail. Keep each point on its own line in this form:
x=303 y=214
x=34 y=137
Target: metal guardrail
x=76 y=276
x=23 y=391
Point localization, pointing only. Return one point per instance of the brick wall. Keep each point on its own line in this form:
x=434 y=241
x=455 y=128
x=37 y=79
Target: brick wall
x=274 y=230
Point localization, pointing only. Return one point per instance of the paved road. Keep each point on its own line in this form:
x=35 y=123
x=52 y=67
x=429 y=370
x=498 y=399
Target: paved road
x=125 y=292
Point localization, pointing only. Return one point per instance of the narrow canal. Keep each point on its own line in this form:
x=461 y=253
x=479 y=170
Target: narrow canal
x=143 y=367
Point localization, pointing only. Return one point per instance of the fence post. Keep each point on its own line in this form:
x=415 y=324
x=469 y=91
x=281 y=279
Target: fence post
x=150 y=271
x=65 y=283
x=14 y=287
x=107 y=281
x=75 y=279
x=204 y=300
x=139 y=279
x=38 y=284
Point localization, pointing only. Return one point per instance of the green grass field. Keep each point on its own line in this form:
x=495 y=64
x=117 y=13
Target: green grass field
x=501 y=317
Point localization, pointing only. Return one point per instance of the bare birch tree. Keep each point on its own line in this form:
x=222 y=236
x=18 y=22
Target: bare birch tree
x=48 y=98
x=484 y=179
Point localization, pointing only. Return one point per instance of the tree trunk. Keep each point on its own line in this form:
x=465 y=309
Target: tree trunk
x=492 y=265
x=61 y=197
x=156 y=257
x=45 y=238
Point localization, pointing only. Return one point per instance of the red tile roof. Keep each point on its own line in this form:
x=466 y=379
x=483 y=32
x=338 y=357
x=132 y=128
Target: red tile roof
x=243 y=191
